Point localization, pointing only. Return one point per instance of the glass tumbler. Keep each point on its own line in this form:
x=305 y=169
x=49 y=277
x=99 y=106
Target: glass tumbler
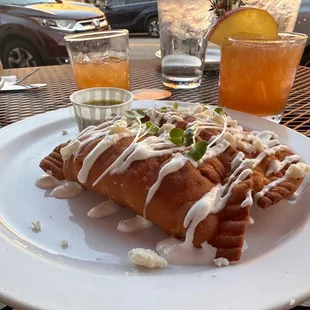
x=257 y=75
x=285 y=12
x=100 y=59
x=183 y=28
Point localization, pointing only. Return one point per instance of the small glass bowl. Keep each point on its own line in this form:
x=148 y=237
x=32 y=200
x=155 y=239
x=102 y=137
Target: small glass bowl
x=87 y=114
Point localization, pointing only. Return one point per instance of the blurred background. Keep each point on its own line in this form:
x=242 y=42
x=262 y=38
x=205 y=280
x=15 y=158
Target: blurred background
x=32 y=31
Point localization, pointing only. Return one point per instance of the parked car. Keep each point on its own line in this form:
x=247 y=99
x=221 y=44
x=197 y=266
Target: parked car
x=32 y=31
x=134 y=15
x=303 y=26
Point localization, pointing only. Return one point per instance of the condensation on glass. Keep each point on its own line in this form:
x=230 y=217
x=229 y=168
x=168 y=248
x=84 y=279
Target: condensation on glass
x=285 y=12
x=183 y=27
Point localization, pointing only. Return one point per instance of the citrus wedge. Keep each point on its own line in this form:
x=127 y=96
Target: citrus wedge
x=244 y=22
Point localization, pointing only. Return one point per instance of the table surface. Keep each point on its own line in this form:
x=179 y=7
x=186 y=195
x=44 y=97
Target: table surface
x=144 y=74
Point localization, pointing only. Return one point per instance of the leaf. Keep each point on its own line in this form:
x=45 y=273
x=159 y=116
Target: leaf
x=163 y=109
x=199 y=149
x=152 y=128
x=134 y=115
x=140 y=113
x=189 y=135
x=175 y=106
x=177 y=136
x=218 y=110
x=131 y=115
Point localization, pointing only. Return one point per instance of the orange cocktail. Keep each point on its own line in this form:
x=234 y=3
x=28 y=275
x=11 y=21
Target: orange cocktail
x=256 y=75
x=111 y=72
x=100 y=59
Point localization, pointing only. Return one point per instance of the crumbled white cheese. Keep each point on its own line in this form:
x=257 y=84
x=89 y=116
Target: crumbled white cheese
x=36 y=226
x=147 y=258
x=258 y=145
x=119 y=127
x=64 y=244
x=198 y=109
x=297 y=171
x=166 y=128
x=217 y=119
x=64 y=132
x=229 y=138
x=221 y=262
x=232 y=123
x=251 y=221
x=292 y=302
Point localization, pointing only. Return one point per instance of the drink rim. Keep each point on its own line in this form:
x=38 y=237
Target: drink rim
x=283 y=37
x=102 y=89
x=97 y=35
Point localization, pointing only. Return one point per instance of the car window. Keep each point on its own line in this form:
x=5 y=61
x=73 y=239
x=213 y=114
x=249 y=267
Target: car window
x=112 y=3
x=25 y=2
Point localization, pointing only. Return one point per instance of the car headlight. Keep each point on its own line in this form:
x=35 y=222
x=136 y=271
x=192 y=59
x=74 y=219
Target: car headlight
x=59 y=24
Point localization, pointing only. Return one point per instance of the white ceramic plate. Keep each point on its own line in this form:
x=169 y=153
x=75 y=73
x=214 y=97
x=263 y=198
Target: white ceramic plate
x=213 y=57
x=94 y=272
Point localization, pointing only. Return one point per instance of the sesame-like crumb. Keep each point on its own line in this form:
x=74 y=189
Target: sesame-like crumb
x=64 y=244
x=36 y=226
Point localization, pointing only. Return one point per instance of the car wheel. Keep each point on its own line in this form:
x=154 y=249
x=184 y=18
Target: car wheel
x=19 y=54
x=153 y=27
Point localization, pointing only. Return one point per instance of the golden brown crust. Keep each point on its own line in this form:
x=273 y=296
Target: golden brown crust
x=54 y=163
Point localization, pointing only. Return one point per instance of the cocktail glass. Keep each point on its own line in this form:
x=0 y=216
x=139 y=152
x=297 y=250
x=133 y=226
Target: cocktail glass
x=256 y=75
x=100 y=59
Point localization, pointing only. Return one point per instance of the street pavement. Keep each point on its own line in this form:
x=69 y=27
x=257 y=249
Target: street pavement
x=143 y=47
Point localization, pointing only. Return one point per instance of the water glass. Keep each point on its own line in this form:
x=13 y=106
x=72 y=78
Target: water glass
x=183 y=28
x=100 y=59
x=285 y=12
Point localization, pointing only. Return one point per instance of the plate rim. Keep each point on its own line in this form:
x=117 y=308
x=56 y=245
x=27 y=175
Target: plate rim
x=13 y=254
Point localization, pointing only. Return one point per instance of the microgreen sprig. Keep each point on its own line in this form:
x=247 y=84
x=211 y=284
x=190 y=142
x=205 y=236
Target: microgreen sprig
x=189 y=136
x=180 y=137
x=151 y=128
x=134 y=115
x=198 y=150
x=164 y=109
x=218 y=110
x=177 y=136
